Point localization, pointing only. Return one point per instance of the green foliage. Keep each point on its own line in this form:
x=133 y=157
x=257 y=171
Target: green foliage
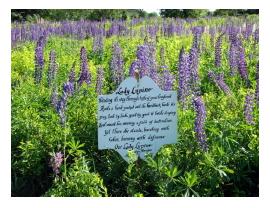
x=79 y=182
x=235 y=12
x=33 y=15
x=184 y=13
x=75 y=148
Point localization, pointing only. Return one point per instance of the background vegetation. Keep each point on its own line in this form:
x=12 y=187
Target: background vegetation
x=98 y=14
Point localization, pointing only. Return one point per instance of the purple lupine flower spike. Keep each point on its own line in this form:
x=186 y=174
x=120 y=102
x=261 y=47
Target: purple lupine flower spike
x=39 y=59
x=199 y=122
x=98 y=45
x=143 y=60
x=242 y=65
x=248 y=108
x=85 y=76
x=218 y=51
x=61 y=107
x=168 y=80
x=68 y=88
x=72 y=74
x=218 y=79
x=233 y=54
x=256 y=35
x=193 y=67
x=52 y=68
x=221 y=83
x=146 y=62
x=132 y=68
x=117 y=64
x=197 y=32
x=184 y=77
x=56 y=161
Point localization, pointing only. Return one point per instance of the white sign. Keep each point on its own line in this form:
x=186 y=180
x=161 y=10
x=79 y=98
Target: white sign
x=138 y=116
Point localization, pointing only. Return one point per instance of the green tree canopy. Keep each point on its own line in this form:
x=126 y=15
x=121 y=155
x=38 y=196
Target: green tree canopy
x=75 y=14
x=184 y=13
x=235 y=12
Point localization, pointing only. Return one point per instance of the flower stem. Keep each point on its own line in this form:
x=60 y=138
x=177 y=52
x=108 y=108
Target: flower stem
x=65 y=141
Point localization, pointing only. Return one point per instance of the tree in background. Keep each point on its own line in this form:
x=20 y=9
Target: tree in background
x=184 y=13
x=98 y=14
x=235 y=12
x=152 y=14
x=75 y=14
x=22 y=14
x=196 y=13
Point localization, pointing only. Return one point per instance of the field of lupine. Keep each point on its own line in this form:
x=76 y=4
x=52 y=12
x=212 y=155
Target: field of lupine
x=59 y=68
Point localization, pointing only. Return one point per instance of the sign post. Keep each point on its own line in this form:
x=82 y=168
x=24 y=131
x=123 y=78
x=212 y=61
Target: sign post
x=138 y=116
